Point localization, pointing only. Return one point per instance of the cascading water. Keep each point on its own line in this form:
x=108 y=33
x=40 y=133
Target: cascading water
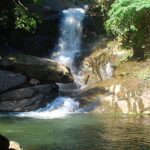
x=60 y=107
x=69 y=42
x=67 y=48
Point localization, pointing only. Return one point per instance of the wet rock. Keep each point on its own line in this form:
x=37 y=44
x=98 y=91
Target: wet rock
x=16 y=94
x=45 y=89
x=10 y=80
x=39 y=68
x=27 y=99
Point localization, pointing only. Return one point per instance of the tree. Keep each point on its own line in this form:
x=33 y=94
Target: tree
x=130 y=21
x=15 y=13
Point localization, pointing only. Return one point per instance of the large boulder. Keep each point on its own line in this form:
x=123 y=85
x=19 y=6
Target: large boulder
x=128 y=92
x=27 y=99
x=10 y=80
x=17 y=94
x=39 y=68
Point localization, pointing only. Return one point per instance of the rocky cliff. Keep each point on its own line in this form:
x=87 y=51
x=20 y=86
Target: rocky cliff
x=118 y=83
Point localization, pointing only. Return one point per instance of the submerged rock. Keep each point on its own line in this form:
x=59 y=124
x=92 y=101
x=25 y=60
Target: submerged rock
x=10 y=80
x=27 y=99
x=39 y=68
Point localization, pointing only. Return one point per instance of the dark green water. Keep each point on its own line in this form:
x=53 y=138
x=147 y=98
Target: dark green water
x=79 y=132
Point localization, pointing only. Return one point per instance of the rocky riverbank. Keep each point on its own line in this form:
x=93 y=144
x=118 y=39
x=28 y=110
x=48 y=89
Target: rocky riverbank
x=118 y=83
x=28 y=82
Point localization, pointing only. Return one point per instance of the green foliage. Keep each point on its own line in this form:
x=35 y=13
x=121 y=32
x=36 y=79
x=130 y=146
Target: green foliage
x=105 y=7
x=24 y=19
x=130 y=20
x=39 y=2
x=19 y=14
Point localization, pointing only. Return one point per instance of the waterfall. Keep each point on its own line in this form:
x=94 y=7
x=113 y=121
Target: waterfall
x=69 y=42
x=67 y=48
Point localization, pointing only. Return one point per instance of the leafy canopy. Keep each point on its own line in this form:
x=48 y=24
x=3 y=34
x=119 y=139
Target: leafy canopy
x=130 y=20
x=16 y=14
x=24 y=19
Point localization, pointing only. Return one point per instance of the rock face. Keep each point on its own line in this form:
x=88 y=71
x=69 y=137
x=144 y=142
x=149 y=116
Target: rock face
x=10 y=80
x=119 y=95
x=97 y=68
x=126 y=92
x=39 y=68
x=27 y=99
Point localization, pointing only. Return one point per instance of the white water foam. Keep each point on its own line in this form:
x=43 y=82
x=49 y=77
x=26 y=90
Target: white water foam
x=59 y=108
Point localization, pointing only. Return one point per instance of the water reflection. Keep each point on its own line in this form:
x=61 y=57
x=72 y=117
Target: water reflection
x=80 y=132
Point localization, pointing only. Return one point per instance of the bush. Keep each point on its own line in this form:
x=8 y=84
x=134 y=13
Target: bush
x=24 y=19
x=16 y=14
x=130 y=21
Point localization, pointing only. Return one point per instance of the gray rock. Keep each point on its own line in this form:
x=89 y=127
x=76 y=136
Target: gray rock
x=10 y=80
x=26 y=104
x=27 y=99
x=39 y=68
x=17 y=94
x=44 y=89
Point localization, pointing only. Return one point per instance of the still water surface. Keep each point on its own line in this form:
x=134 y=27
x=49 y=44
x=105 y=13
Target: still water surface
x=79 y=132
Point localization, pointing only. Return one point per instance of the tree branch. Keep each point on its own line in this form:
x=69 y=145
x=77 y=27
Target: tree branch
x=19 y=3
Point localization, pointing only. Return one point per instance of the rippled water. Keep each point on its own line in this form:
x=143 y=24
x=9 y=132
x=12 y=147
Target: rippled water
x=79 y=132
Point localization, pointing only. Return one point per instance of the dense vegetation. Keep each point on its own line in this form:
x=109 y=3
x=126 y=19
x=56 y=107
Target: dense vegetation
x=130 y=21
x=17 y=14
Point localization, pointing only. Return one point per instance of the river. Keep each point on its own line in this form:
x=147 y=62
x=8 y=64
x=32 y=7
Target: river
x=79 y=132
